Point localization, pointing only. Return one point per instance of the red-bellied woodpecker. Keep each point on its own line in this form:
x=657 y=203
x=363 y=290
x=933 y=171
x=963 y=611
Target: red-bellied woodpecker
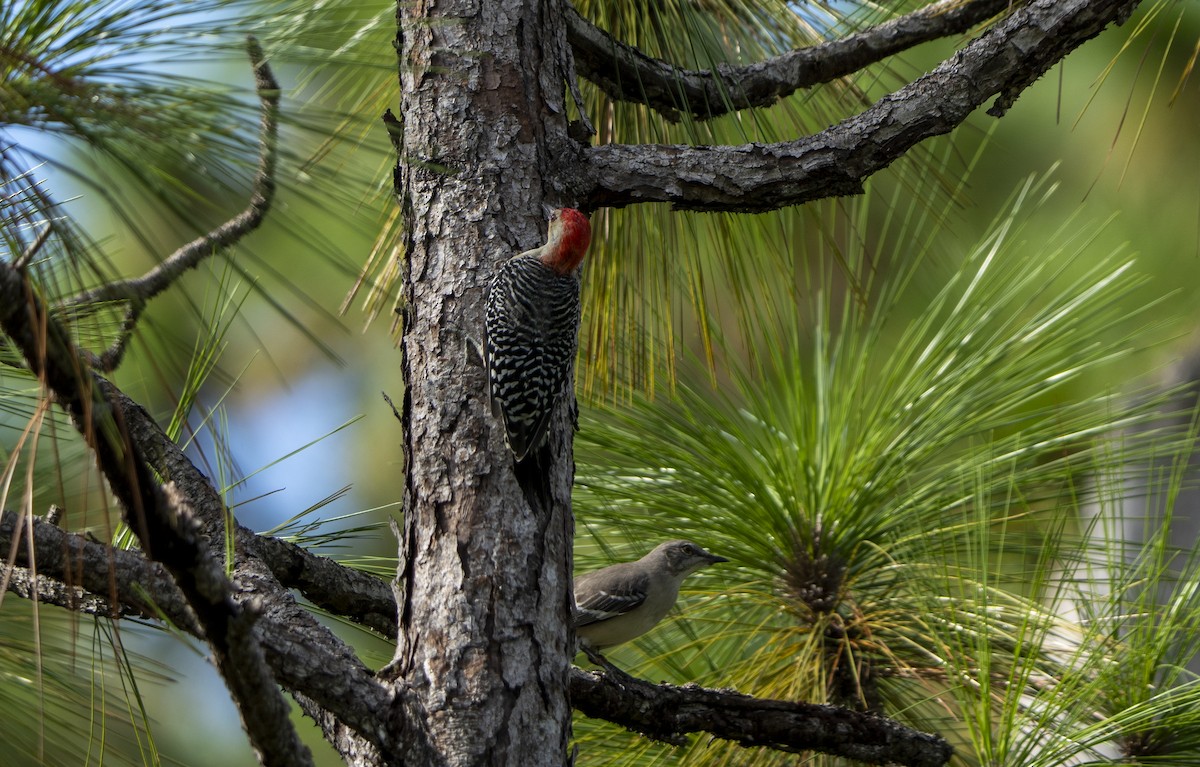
x=532 y=325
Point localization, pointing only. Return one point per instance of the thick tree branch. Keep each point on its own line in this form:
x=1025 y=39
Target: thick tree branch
x=663 y=712
x=306 y=657
x=26 y=584
x=354 y=748
x=159 y=515
x=138 y=291
x=1001 y=63
x=666 y=712
x=341 y=590
x=626 y=74
x=307 y=660
x=104 y=580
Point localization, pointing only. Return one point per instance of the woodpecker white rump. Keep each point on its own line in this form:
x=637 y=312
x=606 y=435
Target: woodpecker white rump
x=532 y=330
x=623 y=601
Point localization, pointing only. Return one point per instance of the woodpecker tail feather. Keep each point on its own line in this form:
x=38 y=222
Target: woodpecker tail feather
x=533 y=476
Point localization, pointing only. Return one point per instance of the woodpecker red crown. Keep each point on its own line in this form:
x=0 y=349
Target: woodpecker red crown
x=570 y=234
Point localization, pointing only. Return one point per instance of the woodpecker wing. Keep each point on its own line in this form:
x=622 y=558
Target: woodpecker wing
x=609 y=593
x=532 y=333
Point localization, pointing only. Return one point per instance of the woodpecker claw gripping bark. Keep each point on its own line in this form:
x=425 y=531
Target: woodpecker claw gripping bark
x=532 y=330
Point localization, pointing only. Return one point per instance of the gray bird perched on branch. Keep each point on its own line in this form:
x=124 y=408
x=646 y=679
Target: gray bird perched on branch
x=623 y=601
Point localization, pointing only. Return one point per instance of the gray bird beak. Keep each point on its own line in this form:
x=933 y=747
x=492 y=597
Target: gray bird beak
x=714 y=558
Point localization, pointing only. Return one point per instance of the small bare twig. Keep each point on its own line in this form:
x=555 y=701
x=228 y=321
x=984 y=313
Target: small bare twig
x=138 y=291
x=585 y=128
x=109 y=359
x=392 y=405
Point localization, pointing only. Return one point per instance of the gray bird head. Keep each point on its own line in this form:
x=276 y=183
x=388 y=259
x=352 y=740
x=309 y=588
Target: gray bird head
x=684 y=557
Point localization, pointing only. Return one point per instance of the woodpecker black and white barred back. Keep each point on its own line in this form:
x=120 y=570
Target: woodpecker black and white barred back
x=532 y=326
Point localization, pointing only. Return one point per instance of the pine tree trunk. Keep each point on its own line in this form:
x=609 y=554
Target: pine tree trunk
x=483 y=583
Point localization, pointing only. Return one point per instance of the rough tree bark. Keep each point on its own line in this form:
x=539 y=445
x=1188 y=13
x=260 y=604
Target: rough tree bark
x=484 y=579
